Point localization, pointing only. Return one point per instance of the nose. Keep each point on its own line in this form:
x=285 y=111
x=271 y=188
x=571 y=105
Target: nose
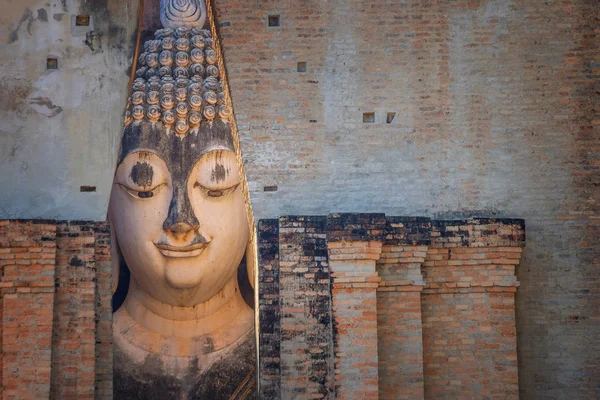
x=181 y=227
x=180 y=218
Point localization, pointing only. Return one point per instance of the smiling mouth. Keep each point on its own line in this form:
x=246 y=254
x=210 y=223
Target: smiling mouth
x=192 y=250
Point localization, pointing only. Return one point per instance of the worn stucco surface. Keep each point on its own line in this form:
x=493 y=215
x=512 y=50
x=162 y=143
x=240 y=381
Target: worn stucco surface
x=60 y=129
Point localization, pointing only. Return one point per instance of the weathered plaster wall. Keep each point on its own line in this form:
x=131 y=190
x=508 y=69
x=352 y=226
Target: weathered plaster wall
x=60 y=129
x=496 y=115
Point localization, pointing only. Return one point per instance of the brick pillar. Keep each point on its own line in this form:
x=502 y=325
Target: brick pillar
x=27 y=259
x=400 y=339
x=469 y=333
x=104 y=359
x=354 y=246
x=399 y=327
x=306 y=331
x=270 y=310
x=74 y=333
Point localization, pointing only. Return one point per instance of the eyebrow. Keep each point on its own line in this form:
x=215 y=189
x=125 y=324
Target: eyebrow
x=174 y=149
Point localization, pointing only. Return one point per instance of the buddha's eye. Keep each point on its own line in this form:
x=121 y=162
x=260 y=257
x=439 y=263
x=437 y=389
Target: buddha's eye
x=215 y=192
x=142 y=194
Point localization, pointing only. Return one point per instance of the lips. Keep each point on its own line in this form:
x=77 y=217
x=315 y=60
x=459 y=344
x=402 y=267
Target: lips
x=192 y=250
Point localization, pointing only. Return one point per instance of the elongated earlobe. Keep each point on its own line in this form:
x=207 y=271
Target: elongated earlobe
x=115 y=259
x=251 y=262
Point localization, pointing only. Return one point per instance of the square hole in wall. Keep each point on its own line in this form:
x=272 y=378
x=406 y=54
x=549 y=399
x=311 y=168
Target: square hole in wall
x=301 y=66
x=82 y=20
x=87 y=188
x=368 y=117
x=274 y=20
x=51 y=63
x=390 y=117
x=273 y=188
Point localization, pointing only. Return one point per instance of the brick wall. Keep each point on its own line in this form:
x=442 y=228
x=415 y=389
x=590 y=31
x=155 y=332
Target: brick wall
x=27 y=258
x=469 y=330
x=56 y=302
x=496 y=115
x=469 y=342
x=400 y=344
x=420 y=308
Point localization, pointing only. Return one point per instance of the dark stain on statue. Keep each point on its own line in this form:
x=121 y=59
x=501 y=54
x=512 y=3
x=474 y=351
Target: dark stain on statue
x=148 y=380
x=142 y=174
x=209 y=346
x=219 y=173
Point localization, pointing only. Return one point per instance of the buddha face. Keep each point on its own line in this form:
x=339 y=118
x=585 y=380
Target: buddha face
x=178 y=213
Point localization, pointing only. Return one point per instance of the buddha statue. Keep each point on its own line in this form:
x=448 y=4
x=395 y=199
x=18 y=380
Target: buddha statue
x=184 y=327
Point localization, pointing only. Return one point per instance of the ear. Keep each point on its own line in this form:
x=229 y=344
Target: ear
x=251 y=261
x=115 y=259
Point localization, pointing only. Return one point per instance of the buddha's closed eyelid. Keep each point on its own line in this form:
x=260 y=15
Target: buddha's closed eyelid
x=215 y=193
x=142 y=194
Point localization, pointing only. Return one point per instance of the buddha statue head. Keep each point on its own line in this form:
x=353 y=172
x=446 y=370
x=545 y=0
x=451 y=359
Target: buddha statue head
x=177 y=210
x=177 y=207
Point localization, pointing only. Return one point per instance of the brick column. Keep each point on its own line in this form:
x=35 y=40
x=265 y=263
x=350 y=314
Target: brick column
x=354 y=246
x=306 y=332
x=269 y=309
x=469 y=332
x=74 y=333
x=27 y=259
x=399 y=328
x=104 y=342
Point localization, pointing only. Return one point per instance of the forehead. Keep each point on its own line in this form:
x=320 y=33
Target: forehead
x=179 y=153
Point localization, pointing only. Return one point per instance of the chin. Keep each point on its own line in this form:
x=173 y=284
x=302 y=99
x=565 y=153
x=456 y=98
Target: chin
x=186 y=276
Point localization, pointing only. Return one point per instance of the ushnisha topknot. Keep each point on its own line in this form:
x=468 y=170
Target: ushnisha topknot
x=177 y=82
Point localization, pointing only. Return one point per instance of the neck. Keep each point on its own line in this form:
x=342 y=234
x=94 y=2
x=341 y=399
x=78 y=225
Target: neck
x=226 y=309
